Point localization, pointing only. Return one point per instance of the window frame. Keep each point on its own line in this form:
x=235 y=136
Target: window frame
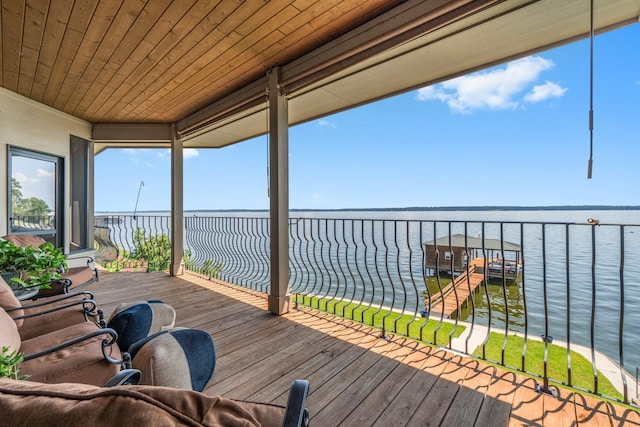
x=58 y=208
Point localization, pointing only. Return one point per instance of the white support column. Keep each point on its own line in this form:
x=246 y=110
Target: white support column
x=177 y=206
x=279 y=299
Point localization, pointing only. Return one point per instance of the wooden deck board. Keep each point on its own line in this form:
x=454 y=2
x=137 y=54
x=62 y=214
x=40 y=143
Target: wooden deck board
x=356 y=377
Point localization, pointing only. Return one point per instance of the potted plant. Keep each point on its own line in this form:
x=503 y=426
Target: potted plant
x=8 y=254
x=31 y=267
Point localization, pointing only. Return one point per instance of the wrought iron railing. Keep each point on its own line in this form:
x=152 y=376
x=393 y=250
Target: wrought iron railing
x=32 y=222
x=529 y=296
x=133 y=243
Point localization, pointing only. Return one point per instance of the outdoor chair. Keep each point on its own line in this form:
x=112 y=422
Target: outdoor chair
x=32 y=403
x=82 y=352
x=41 y=317
x=73 y=278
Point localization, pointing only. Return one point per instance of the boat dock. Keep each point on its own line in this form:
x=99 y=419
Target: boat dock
x=458 y=291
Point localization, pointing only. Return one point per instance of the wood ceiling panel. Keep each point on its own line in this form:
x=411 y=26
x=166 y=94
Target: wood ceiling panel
x=73 y=85
x=171 y=26
x=79 y=20
x=34 y=20
x=57 y=20
x=171 y=69
x=219 y=38
x=243 y=59
x=107 y=43
x=12 y=25
x=270 y=15
x=249 y=59
x=85 y=92
x=159 y=61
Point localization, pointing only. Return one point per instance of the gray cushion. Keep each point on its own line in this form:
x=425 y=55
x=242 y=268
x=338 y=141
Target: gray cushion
x=179 y=358
x=136 y=320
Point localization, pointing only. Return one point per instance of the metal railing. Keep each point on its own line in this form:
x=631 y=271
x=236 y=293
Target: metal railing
x=31 y=222
x=133 y=243
x=529 y=296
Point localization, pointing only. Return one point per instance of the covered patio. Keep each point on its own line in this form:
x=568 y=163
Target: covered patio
x=198 y=74
x=87 y=76
x=356 y=377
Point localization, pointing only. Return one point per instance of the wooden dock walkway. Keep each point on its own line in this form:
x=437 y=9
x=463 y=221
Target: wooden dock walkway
x=449 y=300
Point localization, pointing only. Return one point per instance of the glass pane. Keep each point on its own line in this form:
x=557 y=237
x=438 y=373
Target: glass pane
x=33 y=195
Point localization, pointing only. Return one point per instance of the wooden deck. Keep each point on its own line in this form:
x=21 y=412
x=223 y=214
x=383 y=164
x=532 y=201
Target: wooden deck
x=356 y=378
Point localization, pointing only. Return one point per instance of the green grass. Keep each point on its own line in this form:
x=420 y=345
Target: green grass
x=581 y=368
x=432 y=283
x=419 y=329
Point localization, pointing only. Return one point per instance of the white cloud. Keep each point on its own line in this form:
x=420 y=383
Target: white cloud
x=496 y=89
x=19 y=176
x=325 y=123
x=41 y=173
x=187 y=153
x=544 y=92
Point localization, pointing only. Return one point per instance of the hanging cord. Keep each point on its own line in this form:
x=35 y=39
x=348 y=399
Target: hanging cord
x=268 y=151
x=589 y=170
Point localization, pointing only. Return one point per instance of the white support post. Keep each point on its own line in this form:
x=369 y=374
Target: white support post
x=279 y=299
x=177 y=206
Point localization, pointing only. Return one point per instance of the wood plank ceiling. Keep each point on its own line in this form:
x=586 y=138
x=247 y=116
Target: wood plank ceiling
x=157 y=61
x=131 y=67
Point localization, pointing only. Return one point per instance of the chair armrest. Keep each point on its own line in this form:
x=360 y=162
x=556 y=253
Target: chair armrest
x=53 y=299
x=124 y=377
x=112 y=337
x=89 y=258
x=88 y=307
x=296 y=415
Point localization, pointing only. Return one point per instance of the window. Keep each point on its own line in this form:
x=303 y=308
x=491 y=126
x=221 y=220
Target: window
x=81 y=208
x=35 y=196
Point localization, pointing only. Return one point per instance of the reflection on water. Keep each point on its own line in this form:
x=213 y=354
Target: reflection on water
x=503 y=305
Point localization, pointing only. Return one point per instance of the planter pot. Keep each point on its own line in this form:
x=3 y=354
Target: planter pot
x=8 y=275
x=20 y=292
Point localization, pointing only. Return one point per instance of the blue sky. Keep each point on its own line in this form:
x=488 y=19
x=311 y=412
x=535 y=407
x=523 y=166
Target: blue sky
x=513 y=135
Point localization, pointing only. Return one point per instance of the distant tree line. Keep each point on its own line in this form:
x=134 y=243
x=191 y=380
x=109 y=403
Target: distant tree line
x=30 y=206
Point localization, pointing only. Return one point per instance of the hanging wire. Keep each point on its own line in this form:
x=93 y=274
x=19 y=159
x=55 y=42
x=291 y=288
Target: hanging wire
x=135 y=210
x=590 y=168
x=268 y=140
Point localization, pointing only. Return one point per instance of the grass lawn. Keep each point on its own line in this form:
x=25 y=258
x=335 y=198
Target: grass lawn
x=415 y=328
x=581 y=368
x=434 y=332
